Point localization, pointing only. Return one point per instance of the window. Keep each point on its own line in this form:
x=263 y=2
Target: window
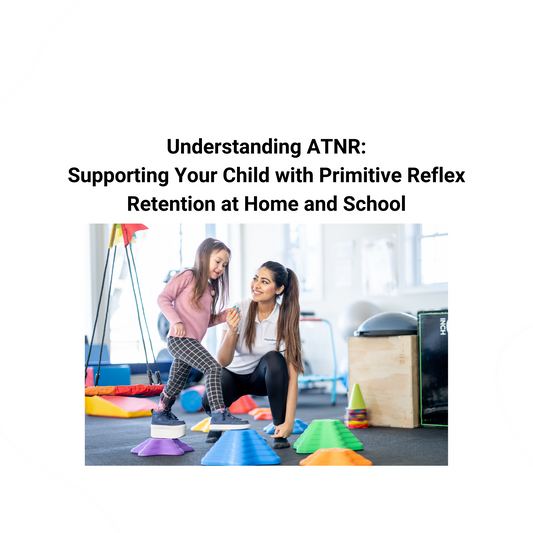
x=426 y=255
x=433 y=254
x=379 y=266
x=304 y=257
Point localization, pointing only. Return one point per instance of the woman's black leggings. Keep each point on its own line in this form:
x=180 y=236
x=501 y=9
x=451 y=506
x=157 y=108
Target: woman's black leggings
x=270 y=378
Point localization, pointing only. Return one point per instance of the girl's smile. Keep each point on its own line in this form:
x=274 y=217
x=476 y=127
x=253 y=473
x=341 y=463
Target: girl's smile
x=217 y=263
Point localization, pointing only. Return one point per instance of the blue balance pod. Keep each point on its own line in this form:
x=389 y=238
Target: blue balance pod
x=299 y=427
x=240 y=447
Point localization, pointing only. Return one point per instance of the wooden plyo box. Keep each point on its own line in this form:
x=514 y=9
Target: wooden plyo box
x=387 y=371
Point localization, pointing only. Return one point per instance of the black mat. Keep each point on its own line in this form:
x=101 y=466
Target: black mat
x=109 y=441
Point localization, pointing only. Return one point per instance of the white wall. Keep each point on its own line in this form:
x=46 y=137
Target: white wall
x=97 y=242
x=260 y=243
x=266 y=242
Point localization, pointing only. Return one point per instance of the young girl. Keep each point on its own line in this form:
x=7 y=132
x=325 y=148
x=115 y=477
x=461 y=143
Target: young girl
x=190 y=303
x=261 y=351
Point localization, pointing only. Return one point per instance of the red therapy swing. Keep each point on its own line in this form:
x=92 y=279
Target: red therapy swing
x=127 y=232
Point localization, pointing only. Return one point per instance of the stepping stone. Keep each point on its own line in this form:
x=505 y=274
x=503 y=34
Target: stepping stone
x=242 y=406
x=326 y=434
x=203 y=425
x=240 y=447
x=299 y=427
x=154 y=446
x=335 y=457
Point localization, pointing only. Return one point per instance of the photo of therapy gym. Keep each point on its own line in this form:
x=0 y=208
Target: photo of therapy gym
x=266 y=344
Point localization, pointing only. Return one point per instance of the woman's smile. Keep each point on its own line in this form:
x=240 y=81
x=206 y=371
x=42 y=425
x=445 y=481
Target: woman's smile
x=263 y=287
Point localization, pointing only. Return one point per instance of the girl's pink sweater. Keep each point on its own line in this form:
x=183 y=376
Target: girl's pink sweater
x=175 y=304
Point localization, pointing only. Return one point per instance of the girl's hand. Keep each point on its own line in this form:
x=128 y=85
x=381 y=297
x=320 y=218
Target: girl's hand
x=233 y=317
x=179 y=329
x=283 y=430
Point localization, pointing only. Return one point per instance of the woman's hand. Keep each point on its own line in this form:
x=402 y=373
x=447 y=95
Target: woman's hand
x=233 y=317
x=283 y=430
x=179 y=329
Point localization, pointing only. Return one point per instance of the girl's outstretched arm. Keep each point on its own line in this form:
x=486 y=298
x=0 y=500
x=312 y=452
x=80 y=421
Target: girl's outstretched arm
x=218 y=319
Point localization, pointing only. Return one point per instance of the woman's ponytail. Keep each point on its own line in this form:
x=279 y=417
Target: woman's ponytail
x=289 y=322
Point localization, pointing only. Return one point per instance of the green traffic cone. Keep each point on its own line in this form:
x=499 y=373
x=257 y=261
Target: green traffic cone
x=356 y=398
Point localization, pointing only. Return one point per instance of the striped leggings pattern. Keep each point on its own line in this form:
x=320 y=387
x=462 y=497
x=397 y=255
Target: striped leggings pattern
x=188 y=353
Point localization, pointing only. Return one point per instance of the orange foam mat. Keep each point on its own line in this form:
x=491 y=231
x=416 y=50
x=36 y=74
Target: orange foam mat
x=335 y=457
x=100 y=391
x=142 y=391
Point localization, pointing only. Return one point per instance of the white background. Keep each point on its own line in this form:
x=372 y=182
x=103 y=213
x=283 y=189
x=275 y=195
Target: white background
x=103 y=85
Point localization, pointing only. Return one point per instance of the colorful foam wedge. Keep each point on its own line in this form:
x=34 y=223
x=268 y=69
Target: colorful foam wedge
x=118 y=406
x=240 y=447
x=326 y=434
x=243 y=405
x=299 y=427
x=335 y=457
x=156 y=446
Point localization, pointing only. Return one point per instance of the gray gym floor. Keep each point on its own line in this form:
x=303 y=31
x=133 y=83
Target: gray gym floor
x=109 y=441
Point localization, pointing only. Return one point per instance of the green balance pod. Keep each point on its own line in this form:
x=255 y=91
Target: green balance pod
x=322 y=434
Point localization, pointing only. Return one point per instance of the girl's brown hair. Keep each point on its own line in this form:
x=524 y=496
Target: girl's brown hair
x=201 y=276
x=289 y=316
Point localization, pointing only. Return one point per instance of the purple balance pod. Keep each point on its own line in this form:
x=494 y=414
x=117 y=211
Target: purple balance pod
x=183 y=446
x=155 y=446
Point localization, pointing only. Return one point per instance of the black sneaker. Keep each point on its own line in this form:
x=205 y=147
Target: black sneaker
x=280 y=442
x=223 y=420
x=166 y=425
x=213 y=436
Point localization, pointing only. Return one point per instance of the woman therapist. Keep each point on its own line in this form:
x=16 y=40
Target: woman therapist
x=261 y=349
